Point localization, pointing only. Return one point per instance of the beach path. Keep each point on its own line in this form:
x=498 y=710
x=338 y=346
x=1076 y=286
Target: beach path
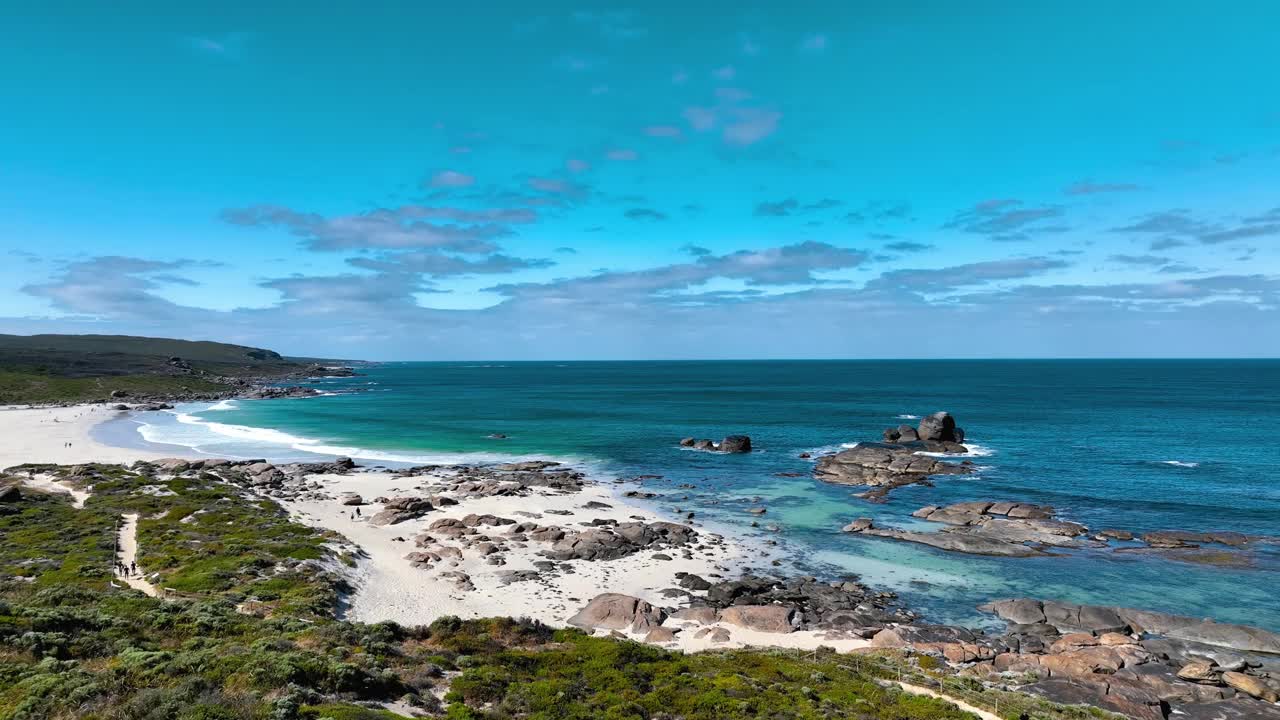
x=46 y=484
x=127 y=541
x=918 y=690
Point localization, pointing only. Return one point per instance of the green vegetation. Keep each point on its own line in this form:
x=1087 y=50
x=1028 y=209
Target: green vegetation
x=88 y=368
x=41 y=388
x=253 y=635
x=201 y=536
x=87 y=355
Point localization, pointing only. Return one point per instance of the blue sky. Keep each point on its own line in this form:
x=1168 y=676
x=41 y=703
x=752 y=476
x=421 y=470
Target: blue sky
x=592 y=180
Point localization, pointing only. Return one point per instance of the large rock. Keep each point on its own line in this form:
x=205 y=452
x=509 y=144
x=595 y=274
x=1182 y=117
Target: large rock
x=735 y=444
x=1250 y=685
x=762 y=618
x=1022 y=611
x=938 y=427
x=1200 y=671
x=1069 y=617
x=398 y=510
x=610 y=543
x=972 y=544
x=843 y=604
x=1229 y=710
x=614 y=611
x=9 y=491
x=1090 y=691
x=700 y=614
x=889 y=465
x=901 y=636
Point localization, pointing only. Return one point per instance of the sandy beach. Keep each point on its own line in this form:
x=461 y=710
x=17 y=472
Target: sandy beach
x=390 y=587
x=61 y=435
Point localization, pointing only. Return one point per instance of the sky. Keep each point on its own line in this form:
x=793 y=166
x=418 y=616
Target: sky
x=590 y=180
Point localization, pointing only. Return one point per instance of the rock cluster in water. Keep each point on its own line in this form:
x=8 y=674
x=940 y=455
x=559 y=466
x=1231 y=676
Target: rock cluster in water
x=732 y=444
x=908 y=456
x=939 y=427
x=1013 y=529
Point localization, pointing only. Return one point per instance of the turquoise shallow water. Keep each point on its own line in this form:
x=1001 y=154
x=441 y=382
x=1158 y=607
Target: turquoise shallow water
x=1142 y=445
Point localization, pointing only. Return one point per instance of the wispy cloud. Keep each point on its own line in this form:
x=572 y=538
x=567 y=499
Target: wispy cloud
x=401 y=228
x=1087 y=187
x=644 y=214
x=451 y=179
x=1005 y=219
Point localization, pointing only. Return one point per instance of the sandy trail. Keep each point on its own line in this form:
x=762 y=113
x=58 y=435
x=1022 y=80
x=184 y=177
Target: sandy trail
x=917 y=690
x=128 y=554
x=47 y=484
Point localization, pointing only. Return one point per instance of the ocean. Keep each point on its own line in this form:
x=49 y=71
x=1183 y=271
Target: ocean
x=1140 y=445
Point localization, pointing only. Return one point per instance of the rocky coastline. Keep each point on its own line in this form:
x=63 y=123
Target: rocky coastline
x=1140 y=664
x=534 y=527
x=260 y=387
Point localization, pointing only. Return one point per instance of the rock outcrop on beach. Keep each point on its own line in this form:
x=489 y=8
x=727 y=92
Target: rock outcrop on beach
x=767 y=605
x=1069 y=617
x=1138 y=663
x=845 y=604
x=613 y=611
x=611 y=543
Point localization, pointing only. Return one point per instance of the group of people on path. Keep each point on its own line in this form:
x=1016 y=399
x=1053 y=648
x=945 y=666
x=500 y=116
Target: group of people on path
x=126 y=570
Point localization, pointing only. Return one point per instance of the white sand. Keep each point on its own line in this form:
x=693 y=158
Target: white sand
x=390 y=588
x=48 y=484
x=40 y=435
x=128 y=554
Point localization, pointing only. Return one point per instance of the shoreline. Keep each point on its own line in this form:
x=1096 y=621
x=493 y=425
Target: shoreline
x=543 y=541
x=64 y=435
x=389 y=587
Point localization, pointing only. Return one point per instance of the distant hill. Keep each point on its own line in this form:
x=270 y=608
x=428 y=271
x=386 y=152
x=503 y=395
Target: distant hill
x=105 y=355
x=74 y=368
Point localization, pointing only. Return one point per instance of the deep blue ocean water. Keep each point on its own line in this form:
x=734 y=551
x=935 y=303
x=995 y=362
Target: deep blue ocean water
x=1140 y=445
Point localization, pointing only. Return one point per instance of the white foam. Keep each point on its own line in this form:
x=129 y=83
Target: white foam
x=223 y=405
x=268 y=442
x=1180 y=463
x=817 y=452
x=908 y=417
x=975 y=451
